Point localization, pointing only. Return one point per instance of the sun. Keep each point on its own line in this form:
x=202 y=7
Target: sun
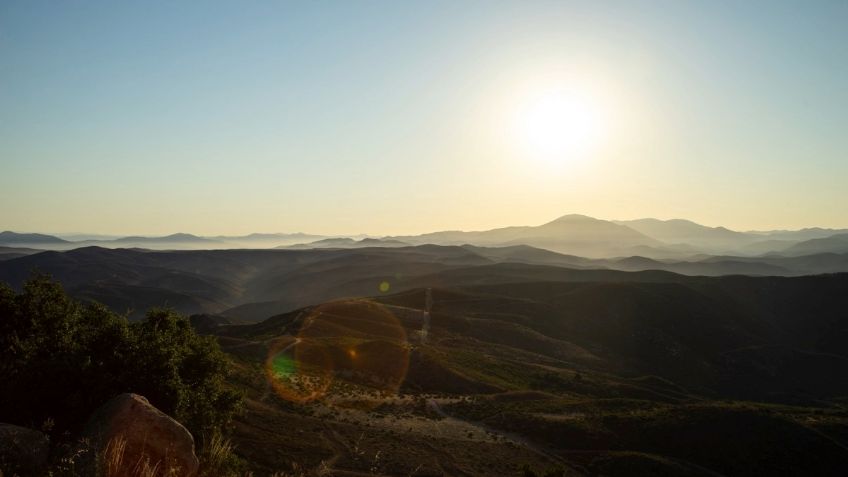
x=559 y=125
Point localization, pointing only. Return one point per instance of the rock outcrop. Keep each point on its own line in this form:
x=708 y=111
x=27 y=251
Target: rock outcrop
x=131 y=437
x=23 y=451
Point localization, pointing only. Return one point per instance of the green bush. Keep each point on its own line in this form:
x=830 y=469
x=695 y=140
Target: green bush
x=61 y=359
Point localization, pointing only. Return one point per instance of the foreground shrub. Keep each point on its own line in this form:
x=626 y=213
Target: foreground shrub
x=61 y=359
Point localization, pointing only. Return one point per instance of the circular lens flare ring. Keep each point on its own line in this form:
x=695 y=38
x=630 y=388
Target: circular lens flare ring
x=299 y=371
x=360 y=341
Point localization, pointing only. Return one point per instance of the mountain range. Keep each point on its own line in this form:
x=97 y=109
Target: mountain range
x=248 y=278
x=570 y=234
x=177 y=241
x=250 y=285
x=647 y=350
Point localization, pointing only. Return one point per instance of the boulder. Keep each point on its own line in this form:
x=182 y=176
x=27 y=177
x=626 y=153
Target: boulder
x=131 y=438
x=23 y=451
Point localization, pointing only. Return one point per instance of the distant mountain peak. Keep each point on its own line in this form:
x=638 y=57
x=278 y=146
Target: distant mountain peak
x=571 y=218
x=182 y=236
x=9 y=237
x=177 y=237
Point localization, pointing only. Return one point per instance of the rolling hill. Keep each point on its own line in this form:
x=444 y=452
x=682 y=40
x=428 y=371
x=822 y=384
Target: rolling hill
x=571 y=234
x=517 y=355
x=250 y=285
x=13 y=238
x=679 y=231
x=576 y=235
x=833 y=244
x=346 y=242
x=588 y=370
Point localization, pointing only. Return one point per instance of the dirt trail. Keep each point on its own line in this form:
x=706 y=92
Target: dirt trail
x=434 y=406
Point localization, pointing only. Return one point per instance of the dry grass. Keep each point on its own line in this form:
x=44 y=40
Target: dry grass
x=113 y=456
x=216 y=457
x=113 y=463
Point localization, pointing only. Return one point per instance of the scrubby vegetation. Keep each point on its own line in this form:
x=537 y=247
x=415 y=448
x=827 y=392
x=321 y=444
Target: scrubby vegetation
x=60 y=359
x=521 y=379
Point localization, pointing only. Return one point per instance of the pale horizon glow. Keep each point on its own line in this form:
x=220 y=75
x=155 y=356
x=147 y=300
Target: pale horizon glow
x=410 y=232
x=399 y=118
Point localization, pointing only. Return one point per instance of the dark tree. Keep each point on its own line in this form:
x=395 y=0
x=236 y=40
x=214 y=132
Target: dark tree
x=60 y=360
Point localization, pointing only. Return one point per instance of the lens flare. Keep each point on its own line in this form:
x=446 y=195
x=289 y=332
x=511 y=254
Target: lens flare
x=357 y=341
x=299 y=371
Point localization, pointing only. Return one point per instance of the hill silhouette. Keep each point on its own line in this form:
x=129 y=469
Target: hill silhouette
x=516 y=355
x=13 y=238
x=573 y=234
x=642 y=372
x=833 y=244
x=250 y=285
x=677 y=231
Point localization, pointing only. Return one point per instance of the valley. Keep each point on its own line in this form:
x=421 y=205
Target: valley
x=589 y=377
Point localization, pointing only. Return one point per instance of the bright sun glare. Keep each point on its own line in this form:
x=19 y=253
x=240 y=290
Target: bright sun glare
x=559 y=125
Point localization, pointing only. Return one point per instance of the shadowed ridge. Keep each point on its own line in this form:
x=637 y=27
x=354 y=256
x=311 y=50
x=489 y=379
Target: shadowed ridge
x=8 y=237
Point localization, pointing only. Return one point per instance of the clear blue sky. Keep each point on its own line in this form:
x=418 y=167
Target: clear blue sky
x=400 y=117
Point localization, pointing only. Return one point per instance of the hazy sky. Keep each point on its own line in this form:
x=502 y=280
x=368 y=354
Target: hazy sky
x=406 y=117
